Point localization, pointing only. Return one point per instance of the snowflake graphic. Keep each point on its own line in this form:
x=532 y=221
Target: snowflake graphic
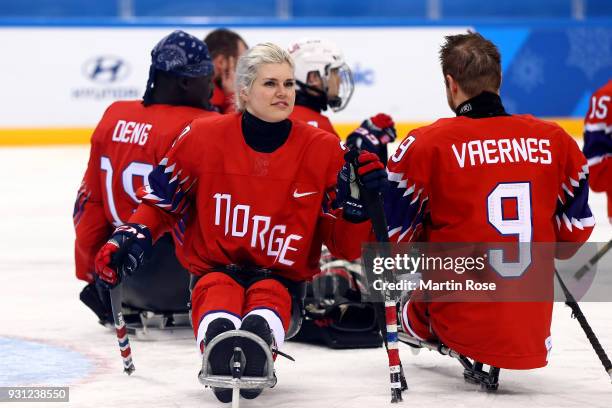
x=528 y=71
x=590 y=49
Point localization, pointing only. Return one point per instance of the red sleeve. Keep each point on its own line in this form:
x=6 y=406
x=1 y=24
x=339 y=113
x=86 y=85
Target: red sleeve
x=90 y=224
x=168 y=195
x=406 y=199
x=598 y=139
x=600 y=176
x=343 y=238
x=598 y=142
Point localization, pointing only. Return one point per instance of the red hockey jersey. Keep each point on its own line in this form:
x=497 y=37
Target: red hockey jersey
x=223 y=102
x=125 y=146
x=248 y=208
x=497 y=179
x=313 y=118
x=598 y=142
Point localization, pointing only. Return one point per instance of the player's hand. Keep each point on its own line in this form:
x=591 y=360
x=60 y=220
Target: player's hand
x=361 y=169
x=123 y=253
x=371 y=171
x=374 y=132
x=382 y=126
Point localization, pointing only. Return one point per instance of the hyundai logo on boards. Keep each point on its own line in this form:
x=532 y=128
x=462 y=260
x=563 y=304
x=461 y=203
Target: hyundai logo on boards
x=106 y=75
x=106 y=69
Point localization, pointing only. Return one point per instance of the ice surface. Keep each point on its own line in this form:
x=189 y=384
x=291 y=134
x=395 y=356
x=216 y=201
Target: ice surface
x=39 y=305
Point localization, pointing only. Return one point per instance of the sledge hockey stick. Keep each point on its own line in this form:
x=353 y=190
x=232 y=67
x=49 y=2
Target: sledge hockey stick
x=587 y=266
x=388 y=326
x=121 y=329
x=120 y=326
x=578 y=315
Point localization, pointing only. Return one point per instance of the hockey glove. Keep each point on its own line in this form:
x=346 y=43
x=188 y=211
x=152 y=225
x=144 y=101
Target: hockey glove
x=361 y=169
x=373 y=133
x=123 y=253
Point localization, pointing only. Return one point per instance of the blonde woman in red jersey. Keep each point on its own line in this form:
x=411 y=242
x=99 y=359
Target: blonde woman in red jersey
x=255 y=185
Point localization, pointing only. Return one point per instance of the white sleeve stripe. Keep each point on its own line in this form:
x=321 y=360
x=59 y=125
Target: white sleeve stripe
x=567 y=222
x=598 y=159
x=567 y=190
x=576 y=223
x=403 y=234
x=581 y=223
x=409 y=191
x=170 y=169
x=573 y=182
x=397 y=177
x=588 y=222
x=330 y=215
x=394 y=231
x=595 y=127
x=560 y=199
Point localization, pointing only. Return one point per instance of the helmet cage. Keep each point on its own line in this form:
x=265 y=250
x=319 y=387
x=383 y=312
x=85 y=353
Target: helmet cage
x=314 y=55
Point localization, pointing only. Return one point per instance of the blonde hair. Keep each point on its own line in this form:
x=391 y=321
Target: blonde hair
x=249 y=63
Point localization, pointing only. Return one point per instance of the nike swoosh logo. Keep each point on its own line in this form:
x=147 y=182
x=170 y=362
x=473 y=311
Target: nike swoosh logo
x=298 y=195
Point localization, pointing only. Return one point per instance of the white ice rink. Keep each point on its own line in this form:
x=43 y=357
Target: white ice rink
x=47 y=337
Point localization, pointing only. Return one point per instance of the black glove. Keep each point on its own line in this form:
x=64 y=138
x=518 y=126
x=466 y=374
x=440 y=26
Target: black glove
x=361 y=169
x=123 y=253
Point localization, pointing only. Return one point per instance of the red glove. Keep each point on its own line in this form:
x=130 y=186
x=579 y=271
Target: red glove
x=123 y=253
x=384 y=128
x=373 y=134
x=372 y=175
x=103 y=261
x=369 y=163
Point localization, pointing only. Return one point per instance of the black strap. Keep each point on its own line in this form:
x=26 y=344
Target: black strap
x=246 y=276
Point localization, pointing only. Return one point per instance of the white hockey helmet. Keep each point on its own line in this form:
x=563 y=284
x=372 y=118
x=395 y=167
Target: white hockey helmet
x=322 y=56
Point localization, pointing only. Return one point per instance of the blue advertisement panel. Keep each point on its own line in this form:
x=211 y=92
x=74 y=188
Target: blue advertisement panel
x=552 y=71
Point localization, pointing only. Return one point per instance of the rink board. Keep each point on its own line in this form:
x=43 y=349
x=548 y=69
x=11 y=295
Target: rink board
x=60 y=84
